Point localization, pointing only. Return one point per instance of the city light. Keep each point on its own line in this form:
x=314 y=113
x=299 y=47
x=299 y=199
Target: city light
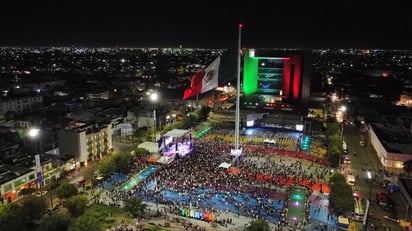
x=34 y=132
x=154 y=96
x=305 y=143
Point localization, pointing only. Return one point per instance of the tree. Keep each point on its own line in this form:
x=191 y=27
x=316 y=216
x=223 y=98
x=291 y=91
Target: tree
x=332 y=129
x=87 y=222
x=33 y=208
x=22 y=215
x=258 y=225
x=55 y=222
x=333 y=158
x=122 y=161
x=335 y=140
x=135 y=206
x=66 y=190
x=341 y=197
x=407 y=166
x=188 y=121
x=11 y=217
x=138 y=152
x=106 y=166
x=337 y=177
x=76 y=205
x=334 y=149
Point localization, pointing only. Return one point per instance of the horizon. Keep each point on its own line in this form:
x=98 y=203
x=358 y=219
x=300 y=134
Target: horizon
x=301 y=25
x=203 y=48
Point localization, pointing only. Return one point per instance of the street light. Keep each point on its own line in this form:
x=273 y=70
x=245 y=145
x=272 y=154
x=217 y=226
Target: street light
x=34 y=133
x=340 y=117
x=368 y=203
x=370 y=185
x=154 y=97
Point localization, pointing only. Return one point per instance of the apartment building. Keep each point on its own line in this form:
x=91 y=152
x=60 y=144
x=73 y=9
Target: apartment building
x=19 y=105
x=85 y=141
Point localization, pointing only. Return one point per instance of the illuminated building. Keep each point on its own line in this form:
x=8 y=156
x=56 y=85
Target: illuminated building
x=277 y=77
x=13 y=179
x=85 y=141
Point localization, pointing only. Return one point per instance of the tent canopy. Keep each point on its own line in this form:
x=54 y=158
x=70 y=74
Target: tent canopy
x=165 y=160
x=269 y=141
x=176 y=133
x=150 y=146
x=224 y=165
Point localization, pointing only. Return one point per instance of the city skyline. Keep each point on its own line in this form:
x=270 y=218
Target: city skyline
x=320 y=24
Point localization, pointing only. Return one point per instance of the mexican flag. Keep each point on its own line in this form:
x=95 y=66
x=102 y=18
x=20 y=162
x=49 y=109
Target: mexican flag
x=222 y=69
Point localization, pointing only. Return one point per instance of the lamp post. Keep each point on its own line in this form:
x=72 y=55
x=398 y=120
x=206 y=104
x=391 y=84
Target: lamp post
x=34 y=133
x=340 y=117
x=154 y=97
x=370 y=184
x=342 y=111
x=368 y=203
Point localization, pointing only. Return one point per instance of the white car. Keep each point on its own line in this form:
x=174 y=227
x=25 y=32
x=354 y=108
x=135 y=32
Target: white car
x=350 y=180
x=43 y=192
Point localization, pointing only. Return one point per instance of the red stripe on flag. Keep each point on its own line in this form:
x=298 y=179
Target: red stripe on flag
x=195 y=85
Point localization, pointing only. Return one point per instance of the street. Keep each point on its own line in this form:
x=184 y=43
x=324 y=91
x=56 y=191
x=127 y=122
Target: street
x=363 y=160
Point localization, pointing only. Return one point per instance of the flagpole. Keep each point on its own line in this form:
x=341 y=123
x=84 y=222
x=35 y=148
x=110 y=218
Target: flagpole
x=237 y=118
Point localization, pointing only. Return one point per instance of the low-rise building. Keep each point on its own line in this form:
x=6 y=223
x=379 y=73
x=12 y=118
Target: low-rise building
x=85 y=141
x=13 y=179
x=19 y=105
x=393 y=144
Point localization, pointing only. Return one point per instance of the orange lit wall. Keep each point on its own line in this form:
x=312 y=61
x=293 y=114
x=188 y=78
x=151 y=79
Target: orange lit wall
x=14 y=194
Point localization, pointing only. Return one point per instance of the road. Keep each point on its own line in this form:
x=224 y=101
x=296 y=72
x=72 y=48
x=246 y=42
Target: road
x=363 y=159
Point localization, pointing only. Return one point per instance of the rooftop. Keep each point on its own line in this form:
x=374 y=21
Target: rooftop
x=9 y=172
x=394 y=138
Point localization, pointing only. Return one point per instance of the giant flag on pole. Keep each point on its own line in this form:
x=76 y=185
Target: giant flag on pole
x=204 y=80
x=222 y=69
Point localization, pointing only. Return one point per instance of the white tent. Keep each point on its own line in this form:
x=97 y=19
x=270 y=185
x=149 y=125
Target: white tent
x=165 y=160
x=224 y=165
x=150 y=146
x=268 y=141
x=176 y=133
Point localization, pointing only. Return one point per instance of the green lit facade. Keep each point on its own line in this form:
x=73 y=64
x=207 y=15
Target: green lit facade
x=276 y=77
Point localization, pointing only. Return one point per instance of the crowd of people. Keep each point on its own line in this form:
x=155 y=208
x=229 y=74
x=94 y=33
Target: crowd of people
x=258 y=189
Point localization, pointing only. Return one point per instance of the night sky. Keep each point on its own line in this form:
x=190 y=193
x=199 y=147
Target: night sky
x=207 y=24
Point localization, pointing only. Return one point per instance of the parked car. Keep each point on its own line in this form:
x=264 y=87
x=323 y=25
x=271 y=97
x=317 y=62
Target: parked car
x=362 y=143
x=42 y=193
x=385 y=202
x=385 y=183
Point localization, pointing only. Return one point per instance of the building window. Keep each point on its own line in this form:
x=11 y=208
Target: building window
x=17 y=183
x=7 y=187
